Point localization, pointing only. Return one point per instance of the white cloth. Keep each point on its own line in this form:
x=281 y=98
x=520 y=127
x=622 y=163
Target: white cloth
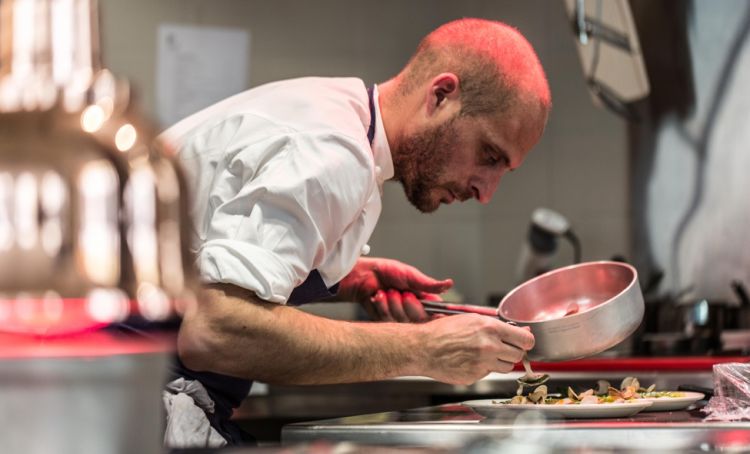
x=186 y=403
x=284 y=182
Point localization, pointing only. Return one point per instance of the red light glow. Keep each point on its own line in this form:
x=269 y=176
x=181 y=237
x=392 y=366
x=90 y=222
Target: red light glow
x=636 y=364
x=82 y=345
x=55 y=316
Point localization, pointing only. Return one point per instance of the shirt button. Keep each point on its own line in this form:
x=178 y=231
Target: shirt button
x=365 y=249
x=378 y=171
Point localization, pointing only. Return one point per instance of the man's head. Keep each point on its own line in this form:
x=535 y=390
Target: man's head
x=469 y=105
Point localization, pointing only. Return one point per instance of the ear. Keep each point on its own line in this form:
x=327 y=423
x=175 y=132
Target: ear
x=444 y=93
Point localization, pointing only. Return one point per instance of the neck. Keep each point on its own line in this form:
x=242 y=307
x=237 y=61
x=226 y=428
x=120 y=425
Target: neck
x=395 y=112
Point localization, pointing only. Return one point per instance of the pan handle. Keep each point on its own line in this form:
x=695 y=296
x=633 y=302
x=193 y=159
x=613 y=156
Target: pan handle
x=449 y=308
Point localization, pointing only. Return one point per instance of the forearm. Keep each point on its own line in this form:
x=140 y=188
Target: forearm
x=235 y=333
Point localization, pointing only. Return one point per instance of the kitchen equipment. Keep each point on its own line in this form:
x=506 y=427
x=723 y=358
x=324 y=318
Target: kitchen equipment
x=677 y=325
x=537 y=252
x=609 y=49
x=92 y=210
x=450 y=308
x=87 y=394
x=92 y=219
x=573 y=312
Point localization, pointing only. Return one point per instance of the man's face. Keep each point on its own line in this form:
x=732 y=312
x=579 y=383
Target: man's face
x=461 y=158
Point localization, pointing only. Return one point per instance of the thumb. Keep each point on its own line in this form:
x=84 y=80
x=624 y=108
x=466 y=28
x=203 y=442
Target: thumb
x=420 y=282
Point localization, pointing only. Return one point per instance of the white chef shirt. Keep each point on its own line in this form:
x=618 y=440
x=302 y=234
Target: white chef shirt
x=284 y=181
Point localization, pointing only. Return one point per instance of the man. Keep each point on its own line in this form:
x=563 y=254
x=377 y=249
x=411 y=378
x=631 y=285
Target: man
x=288 y=179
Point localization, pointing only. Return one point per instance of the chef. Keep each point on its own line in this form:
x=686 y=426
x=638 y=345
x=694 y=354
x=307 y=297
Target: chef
x=287 y=181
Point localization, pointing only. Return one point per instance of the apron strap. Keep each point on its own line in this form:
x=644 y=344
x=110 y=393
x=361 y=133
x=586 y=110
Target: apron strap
x=314 y=288
x=371 y=129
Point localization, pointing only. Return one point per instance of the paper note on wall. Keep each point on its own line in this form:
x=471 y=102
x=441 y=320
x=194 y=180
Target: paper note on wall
x=198 y=66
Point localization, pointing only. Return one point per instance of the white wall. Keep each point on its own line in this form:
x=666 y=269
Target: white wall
x=579 y=168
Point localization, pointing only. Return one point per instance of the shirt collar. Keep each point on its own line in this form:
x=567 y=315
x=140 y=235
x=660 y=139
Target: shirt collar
x=380 y=149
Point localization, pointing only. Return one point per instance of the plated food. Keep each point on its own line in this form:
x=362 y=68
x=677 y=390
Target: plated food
x=671 y=400
x=630 y=390
x=604 y=401
x=497 y=407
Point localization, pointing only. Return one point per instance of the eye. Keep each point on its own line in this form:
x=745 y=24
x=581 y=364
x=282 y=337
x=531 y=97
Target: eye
x=497 y=157
x=491 y=156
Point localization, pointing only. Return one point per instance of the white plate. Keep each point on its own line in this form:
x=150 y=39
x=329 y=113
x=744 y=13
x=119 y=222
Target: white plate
x=674 y=403
x=492 y=407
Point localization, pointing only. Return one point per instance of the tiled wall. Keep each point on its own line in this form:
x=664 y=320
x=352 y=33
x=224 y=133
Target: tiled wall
x=579 y=168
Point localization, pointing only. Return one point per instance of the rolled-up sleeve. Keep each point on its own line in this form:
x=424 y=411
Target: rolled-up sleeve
x=275 y=207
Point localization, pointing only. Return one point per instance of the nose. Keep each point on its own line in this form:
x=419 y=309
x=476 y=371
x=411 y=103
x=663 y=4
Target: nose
x=484 y=188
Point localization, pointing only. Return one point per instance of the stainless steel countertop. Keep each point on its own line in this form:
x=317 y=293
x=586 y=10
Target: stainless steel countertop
x=455 y=425
x=279 y=406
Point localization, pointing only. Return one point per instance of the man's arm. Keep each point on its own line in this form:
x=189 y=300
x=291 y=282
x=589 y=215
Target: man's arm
x=231 y=331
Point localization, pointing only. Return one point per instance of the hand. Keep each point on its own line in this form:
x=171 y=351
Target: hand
x=461 y=349
x=390 y=290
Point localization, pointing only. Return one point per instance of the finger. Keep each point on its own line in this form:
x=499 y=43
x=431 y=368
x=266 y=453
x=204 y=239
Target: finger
x=420 y=282
x=380 y=304
x=395 y=306
x=503 y=366
x=510 y=353
x=413 y=308
x=517 y=336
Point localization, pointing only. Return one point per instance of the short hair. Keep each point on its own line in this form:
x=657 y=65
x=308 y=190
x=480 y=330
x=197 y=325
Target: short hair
x=496 y=66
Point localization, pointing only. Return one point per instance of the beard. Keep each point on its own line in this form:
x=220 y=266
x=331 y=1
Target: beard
x=421 y=161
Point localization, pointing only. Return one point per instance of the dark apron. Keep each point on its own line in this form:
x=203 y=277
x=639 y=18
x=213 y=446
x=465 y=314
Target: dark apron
x=228 y=392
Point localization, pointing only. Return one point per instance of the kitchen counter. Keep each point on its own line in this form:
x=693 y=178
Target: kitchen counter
x=265 y=413
x=458 y=426
x=405 y=392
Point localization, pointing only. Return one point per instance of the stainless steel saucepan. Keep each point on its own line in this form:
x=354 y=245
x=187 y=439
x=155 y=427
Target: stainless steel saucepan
x=573 y=312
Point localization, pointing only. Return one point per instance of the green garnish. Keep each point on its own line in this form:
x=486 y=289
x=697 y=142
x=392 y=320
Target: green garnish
x=657 y=394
